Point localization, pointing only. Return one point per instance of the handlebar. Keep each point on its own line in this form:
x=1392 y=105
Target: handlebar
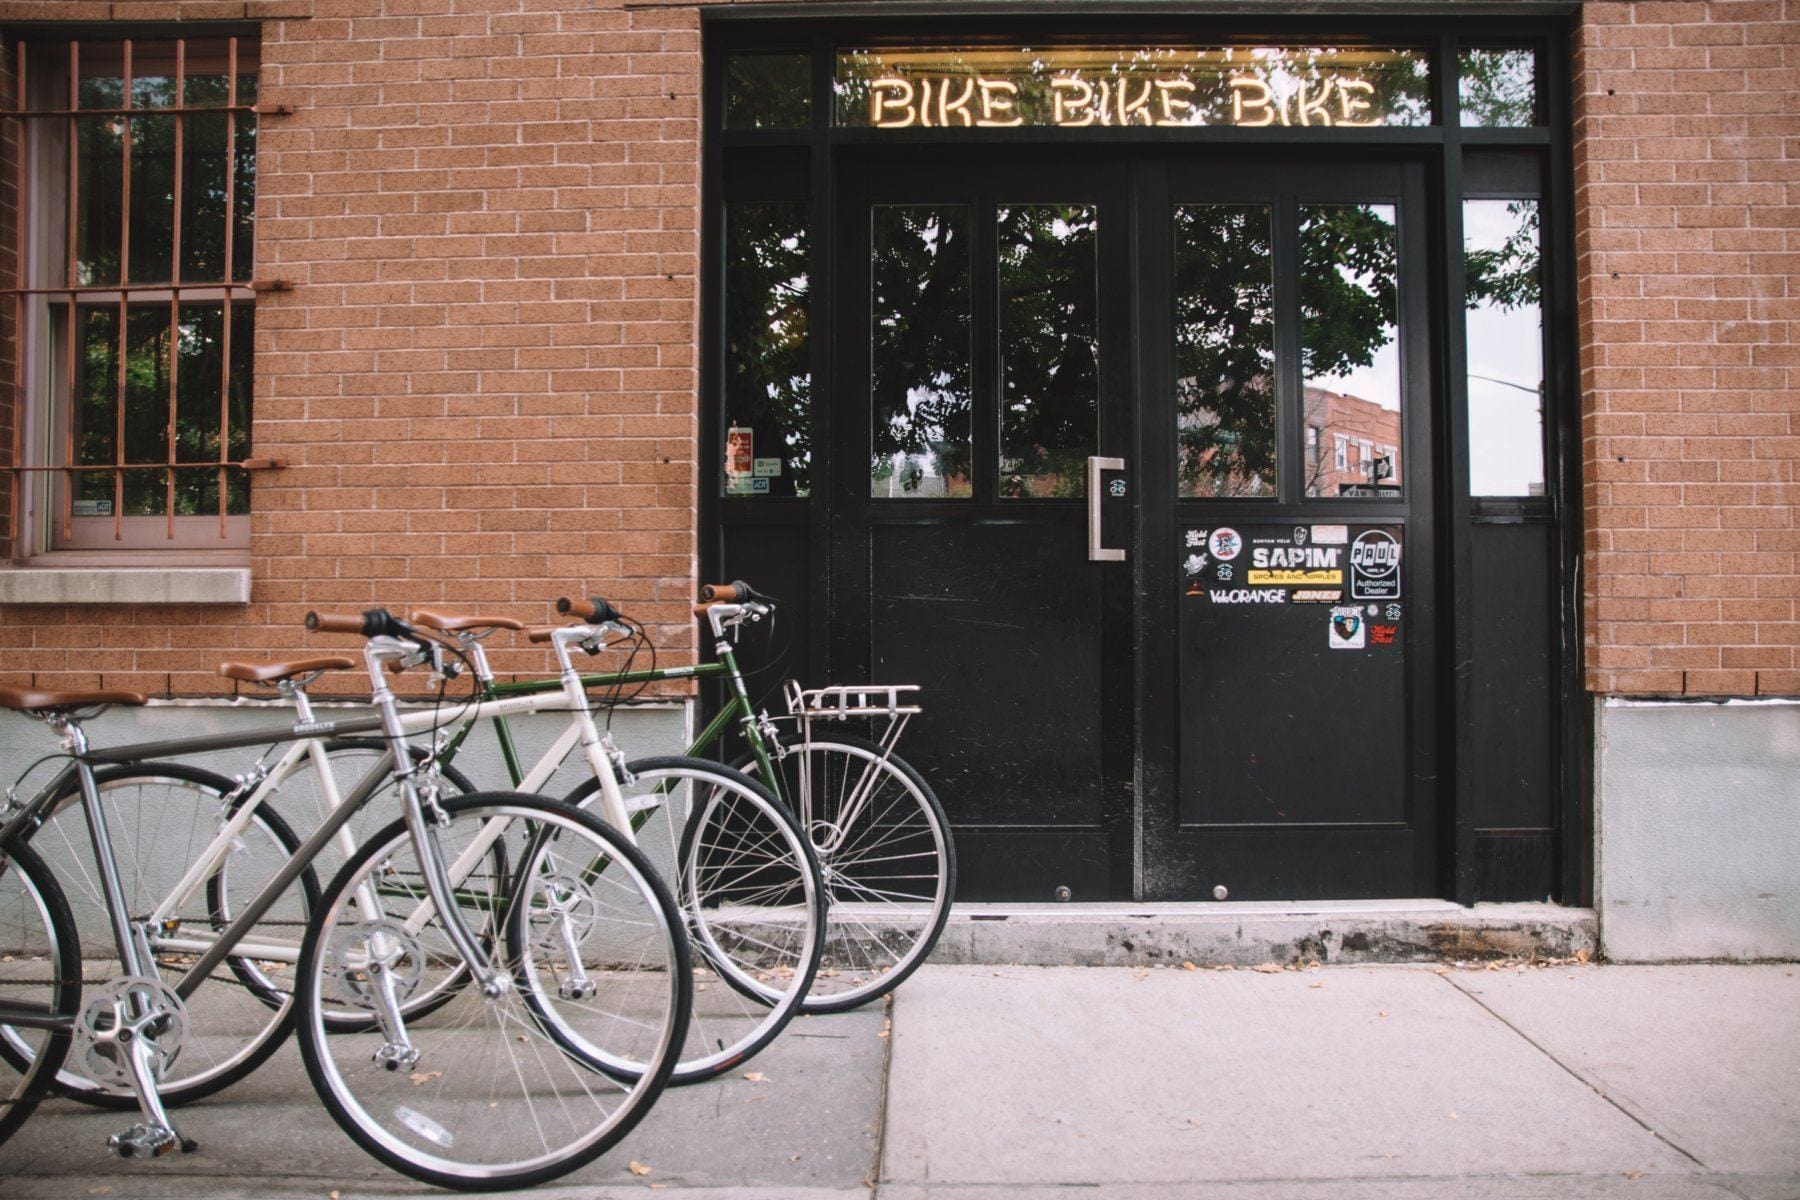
x=374 y=622
x=592 y=609
x=735 y=592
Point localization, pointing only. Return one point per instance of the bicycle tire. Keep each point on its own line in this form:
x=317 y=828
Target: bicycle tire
x=214 y=1022
x=37 y=932
x=442 y=1119
x=869 y=952
x=773 y=928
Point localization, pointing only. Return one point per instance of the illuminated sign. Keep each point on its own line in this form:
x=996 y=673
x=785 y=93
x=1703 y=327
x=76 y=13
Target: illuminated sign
x=1074 y=88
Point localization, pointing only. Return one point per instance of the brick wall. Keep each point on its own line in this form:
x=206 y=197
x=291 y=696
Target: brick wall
x=1687 y=176
x=483 y=380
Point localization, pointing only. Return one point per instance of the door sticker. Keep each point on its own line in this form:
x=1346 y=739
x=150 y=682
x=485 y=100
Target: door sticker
x=1253 y=566
x=1347 y=631
x=1375 y=566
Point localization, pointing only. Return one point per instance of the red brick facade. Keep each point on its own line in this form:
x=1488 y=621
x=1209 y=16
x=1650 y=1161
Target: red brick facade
x=483 y=382
x=1687 y=210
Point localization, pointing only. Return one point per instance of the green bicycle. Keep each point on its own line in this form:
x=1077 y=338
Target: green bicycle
x=886 y=858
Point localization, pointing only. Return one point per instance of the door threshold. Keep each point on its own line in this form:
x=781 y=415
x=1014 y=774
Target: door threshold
x=1252 y=933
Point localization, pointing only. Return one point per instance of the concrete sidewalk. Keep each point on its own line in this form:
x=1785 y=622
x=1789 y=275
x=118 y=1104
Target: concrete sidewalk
x=1652 y=1083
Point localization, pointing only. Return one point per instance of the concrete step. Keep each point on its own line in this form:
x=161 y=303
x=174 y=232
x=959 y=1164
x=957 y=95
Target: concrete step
x=1249 y=933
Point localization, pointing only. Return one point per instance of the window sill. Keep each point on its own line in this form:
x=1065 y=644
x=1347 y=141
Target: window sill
x=124 y=585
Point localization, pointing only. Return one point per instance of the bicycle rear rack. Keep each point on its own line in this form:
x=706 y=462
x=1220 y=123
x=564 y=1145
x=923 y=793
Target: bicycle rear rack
x=845 y=702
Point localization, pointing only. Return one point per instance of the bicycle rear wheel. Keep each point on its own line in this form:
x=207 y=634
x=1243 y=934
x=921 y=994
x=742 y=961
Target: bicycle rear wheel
x=162 y=817
x=40 y=971
x=480 y=1095
x=748 y=886
x=887 y=859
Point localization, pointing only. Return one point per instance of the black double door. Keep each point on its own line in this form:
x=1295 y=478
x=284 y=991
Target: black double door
x=1132 y=470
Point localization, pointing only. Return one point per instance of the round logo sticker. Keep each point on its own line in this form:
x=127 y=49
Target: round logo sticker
x=1375 y=566
x=1225 y=544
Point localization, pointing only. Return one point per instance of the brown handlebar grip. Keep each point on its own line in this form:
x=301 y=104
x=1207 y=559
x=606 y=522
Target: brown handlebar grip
x=700 y=610
x=724 y=592
x=572 y=607
x=539 y=635
x=319 y=622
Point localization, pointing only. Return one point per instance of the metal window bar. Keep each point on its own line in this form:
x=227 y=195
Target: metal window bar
x=229 y=291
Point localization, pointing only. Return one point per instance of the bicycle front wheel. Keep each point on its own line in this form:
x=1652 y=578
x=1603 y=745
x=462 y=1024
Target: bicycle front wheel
x=887 y=859
x=480 y=1094
x=40 y=974
x=749 y=890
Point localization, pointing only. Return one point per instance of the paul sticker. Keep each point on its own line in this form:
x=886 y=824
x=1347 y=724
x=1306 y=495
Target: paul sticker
x=1347 y=629
x=1225 y=544
x=1375 y=566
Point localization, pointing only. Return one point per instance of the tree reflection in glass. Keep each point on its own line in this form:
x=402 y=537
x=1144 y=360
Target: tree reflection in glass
x=920 y=377
x=1349 y=347
x=1049 y=343
x=1505 y=325
x=1224 y=351
x=768 y=373
x=1498 y=88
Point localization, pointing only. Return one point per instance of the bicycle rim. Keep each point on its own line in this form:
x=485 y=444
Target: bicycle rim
x=887 y=859
x=162 y=817
x=40 y=967
x=748 y=887
x=491 y=1100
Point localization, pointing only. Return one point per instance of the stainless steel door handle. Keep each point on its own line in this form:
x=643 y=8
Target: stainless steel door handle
x=1097 y=552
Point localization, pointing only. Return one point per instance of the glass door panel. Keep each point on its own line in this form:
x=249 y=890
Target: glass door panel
x=1224 y=314
x=1047 y=258
x=1350 y=348
x=920 y=386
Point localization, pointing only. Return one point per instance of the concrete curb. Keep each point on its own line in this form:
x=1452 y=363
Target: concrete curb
x=1113 y=935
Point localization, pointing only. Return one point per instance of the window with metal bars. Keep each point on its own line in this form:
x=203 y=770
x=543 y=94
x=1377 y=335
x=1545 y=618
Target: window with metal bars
x=136 y=176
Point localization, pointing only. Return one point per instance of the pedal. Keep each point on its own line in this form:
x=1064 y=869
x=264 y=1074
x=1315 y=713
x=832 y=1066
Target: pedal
x=146 y=1141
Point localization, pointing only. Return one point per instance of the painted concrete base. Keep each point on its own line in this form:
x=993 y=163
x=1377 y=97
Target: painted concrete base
x=1110 y=935
x=641 y=732
x=1698 y=812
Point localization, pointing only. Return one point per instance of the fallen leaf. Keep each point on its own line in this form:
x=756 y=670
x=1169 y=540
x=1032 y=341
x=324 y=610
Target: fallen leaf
x=638 y=1168
x=755 y=1076
x=793 y=1158
x=331 y=1195
x=1440 y=970
x=1634 y=1174
x=1268 y=968
x=1379 y=1013
x=1188 y=966
x=1224 y=967
x=419 y=1077
x=1315 y=985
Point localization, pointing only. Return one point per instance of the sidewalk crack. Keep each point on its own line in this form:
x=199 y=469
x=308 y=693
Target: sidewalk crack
x=881 y=1112
x=1578 y=1076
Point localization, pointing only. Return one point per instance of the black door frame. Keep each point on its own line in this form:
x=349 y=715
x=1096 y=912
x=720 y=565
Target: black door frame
x=1179 y=860
x=1098 y=859
x=803 y=158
